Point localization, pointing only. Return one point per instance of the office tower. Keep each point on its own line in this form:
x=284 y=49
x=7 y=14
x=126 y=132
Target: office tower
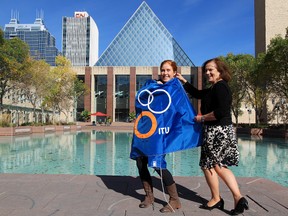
x=37 y=36
x=80 y=39
x=143 y=41
x=271 y=19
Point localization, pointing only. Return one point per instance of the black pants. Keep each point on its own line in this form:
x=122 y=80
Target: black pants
x=142 y=165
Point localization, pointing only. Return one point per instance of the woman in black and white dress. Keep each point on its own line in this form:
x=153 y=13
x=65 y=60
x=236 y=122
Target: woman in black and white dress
x=219 y=149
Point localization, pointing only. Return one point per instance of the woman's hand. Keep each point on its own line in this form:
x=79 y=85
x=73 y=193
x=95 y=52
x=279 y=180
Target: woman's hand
x=181 y=78
x=207 y=117
x=199 y=118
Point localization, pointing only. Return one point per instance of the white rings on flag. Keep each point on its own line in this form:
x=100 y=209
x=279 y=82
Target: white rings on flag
x=151 y=98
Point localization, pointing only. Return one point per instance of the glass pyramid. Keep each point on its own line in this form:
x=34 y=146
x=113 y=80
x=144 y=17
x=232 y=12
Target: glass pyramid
x=143 y=41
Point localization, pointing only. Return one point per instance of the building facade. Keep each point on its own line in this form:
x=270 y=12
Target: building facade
x=132 y=58
x=113 y=89
x=37 y=36
x=80 y=39
x=271 y=19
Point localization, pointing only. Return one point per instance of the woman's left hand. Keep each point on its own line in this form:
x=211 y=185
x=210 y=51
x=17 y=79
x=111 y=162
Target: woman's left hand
x=199 y=118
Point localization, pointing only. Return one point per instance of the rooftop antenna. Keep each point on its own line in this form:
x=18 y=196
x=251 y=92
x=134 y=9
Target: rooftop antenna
x=14 y=15
x=40 y=14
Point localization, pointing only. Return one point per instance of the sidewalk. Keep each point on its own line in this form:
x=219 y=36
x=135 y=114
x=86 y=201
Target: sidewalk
x=84 y=195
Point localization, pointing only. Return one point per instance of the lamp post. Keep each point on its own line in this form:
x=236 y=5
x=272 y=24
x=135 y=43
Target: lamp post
x=249 y=113
x=277 y=108
x=249 y=110
x=117 y=94
x=97 y=94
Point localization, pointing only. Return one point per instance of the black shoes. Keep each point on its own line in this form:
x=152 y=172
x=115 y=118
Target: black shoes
x=240 y=207
x=219 y=205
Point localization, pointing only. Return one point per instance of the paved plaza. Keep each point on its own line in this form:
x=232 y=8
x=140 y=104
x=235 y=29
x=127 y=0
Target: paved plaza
x=86 y=195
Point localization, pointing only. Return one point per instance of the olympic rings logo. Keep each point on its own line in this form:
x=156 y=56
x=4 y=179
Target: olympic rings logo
x=150 y=114
x=151 y=98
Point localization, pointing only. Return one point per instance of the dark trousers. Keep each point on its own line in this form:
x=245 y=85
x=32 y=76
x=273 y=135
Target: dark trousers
x=142 y=165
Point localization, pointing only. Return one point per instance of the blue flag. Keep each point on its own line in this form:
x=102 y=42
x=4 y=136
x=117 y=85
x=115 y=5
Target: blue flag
x=164 y=122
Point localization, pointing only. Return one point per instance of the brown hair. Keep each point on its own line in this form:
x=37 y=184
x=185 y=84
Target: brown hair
x=171 y=62
x=224 y=70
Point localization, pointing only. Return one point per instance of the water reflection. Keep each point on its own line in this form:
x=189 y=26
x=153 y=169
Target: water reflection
x=107 y=153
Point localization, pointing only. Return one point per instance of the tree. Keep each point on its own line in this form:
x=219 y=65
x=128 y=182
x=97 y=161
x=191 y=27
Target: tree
x=240 y=65
x=34 y=84
x=80 y=89
x=257 y=86
x=14 y=55
x=276 y=62
x=61 y=83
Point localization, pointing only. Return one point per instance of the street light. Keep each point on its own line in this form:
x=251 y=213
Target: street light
x=97 y=94
x=119 y=93
x=249 y=113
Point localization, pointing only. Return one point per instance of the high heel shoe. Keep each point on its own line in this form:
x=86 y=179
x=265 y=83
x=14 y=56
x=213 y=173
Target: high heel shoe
x=219 y=205
x=240 y=207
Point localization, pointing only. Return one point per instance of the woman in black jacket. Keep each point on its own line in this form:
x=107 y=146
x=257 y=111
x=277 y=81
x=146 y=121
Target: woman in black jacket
x=219 y=149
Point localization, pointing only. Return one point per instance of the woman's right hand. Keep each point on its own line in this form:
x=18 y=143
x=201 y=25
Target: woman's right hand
x=181 y=78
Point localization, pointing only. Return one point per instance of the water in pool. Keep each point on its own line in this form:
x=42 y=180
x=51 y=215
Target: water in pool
x=107 y=153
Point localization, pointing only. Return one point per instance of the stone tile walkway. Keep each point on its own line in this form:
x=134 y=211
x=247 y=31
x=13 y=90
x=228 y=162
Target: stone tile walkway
x=84 y=195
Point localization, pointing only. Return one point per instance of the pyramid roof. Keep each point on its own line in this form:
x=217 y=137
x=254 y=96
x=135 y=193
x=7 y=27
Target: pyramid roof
x=143 y=41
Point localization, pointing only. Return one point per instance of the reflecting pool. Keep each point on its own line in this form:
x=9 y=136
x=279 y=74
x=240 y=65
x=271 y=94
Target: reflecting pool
x=107 y=153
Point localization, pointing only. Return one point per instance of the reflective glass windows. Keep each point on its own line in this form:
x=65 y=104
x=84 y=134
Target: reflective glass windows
x=143 y=41
x=141 y=80
x=122 y=90
x=100 y=93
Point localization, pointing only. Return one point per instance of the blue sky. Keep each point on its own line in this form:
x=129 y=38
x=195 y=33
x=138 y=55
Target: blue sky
x=203 y=28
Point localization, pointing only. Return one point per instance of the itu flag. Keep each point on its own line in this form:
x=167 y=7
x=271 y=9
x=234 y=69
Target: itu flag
x=164 y=122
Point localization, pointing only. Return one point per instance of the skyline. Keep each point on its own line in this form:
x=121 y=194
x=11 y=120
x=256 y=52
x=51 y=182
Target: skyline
x=204 y=30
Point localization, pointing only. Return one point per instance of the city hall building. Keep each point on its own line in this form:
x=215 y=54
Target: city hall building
x=132 y=58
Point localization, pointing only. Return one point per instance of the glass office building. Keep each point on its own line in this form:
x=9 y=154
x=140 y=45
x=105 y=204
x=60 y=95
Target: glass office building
x=143 y=41
x=80 y=39
x=37 y=36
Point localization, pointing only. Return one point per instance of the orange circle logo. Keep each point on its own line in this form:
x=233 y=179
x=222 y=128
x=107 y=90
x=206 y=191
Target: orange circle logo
x=152 y=129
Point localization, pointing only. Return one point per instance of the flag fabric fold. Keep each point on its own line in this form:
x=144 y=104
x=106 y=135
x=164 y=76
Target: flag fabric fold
x=164 y=122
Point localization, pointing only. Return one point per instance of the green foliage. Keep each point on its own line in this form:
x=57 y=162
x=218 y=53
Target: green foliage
x=80 y=88
x=276 y=62
x=61 y=86
x=34 y=82
x=5 y=120
x=14 y=55
x=132 y=116
x=258 y=91
x=276 y=65
x=85 y=115
x=240 y=66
